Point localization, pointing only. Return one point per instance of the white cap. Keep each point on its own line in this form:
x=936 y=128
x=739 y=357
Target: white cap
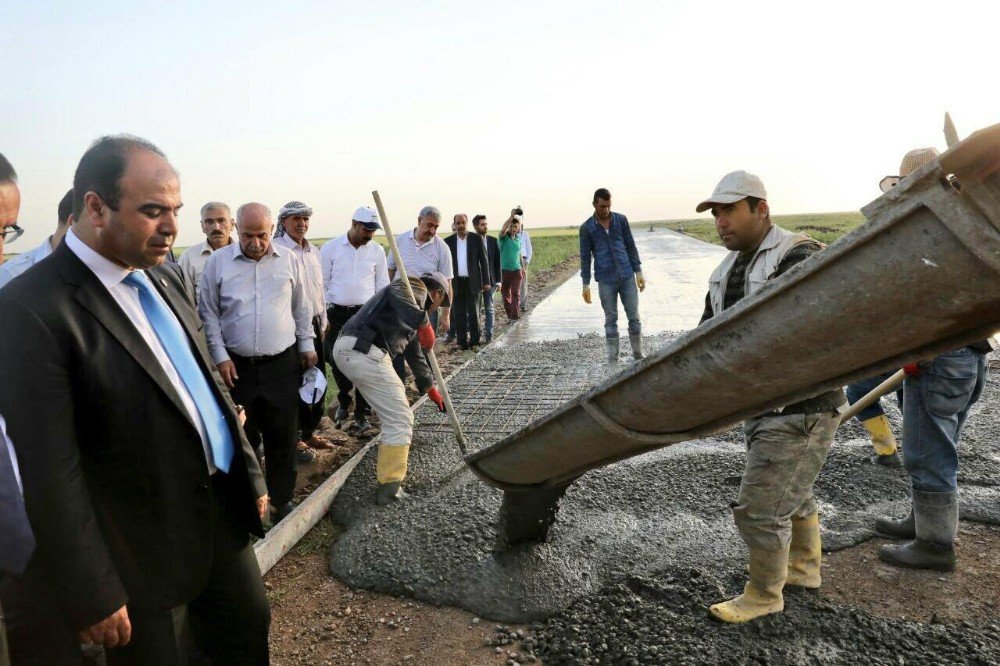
x=313 y=386
x=733 y=187
x=367 y=217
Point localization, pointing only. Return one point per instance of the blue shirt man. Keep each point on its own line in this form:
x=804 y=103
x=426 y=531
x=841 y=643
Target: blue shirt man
x=606 y=239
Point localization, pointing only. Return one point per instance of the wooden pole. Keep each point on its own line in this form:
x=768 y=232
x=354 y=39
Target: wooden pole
x=431 y=358
x=887 y=386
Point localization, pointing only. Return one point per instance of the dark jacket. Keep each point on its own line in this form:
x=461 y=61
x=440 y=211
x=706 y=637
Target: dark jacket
x=477 y=260
x=613 y=252
x=115 y=479
x=493 y=259
x=389 y=321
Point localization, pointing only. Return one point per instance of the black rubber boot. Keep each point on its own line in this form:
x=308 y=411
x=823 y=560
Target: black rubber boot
x=389 y=492
x=935 y=518
x=636 y=341
x=890 y=460
x=611 y=345
x=897 y=529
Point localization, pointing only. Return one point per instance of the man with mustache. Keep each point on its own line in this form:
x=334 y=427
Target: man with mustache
x=217 y=225
x=258 y=321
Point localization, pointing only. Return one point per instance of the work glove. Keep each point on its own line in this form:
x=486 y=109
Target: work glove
x=425 y=333
x=436 y=398
x=913 y=370
x=640 y=282
x=586 y=294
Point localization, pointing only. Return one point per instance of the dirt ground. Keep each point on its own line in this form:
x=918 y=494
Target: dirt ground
x=317 y=619
x=856 y=577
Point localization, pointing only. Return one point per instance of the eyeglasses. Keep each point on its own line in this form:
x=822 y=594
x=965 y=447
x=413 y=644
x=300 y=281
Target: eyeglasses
x=11 y=233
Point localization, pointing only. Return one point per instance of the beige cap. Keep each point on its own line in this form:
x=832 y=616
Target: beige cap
x=912 y=161
x=733 y=187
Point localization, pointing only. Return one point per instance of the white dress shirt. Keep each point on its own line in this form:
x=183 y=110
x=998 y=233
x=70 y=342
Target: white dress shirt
x=462 y=250
x=13 y=267
x=312 y=272
x=254 y=308
x=111 y=276
x=352 y=275
x=11 y=454
x=525 y=246
x=422 y=258
x=193 y=261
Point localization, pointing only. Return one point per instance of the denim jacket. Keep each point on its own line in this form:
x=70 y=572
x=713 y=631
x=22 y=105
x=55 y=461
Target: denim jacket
x=614 y=252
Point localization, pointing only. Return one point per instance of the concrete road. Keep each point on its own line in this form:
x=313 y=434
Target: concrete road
x=676 y=268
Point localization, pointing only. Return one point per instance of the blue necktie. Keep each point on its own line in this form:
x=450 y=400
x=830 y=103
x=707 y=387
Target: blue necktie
x=175 y=343
x=17 y=542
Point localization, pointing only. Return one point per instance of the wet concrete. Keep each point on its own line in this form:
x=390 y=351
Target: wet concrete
x=676 y=268
x=661 y=510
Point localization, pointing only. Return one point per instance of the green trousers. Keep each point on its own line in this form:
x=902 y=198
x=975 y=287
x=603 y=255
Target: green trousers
x=784 y=456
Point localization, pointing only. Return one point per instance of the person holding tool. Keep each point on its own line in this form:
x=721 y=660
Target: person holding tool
x=390 y=325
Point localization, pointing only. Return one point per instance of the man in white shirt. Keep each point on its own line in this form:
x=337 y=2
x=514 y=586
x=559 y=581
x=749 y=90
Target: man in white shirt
x=217 y=225
x=293 y=225
x=22 y=262
x=423 y=252
x=354 y=268
x=526 y=253
x=258 y=322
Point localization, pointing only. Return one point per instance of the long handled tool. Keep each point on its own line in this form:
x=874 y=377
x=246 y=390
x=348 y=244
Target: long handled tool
x=431 y=358
x=872 y=396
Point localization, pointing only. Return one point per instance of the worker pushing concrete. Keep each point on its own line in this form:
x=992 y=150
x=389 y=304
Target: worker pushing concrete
x=390 y=325
x=873 y=418
x=606 y=239
x=937 y=397
x=775 y=513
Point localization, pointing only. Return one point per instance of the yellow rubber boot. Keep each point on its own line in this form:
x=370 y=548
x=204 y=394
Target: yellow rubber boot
x=762 y=594
x=805 y=553
x=881 y=433
x=390 y=469
x=391 y=464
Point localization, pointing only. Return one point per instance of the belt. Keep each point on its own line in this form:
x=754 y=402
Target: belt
x=348 y=308
x=258 y=360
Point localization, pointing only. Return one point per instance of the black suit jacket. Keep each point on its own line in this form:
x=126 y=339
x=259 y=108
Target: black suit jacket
x=115 y=479
x=493 y=259
x=479 y=269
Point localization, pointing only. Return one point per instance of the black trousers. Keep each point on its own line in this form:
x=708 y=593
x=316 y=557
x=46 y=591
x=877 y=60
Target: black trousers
x=309 y=415
x=338 y=316
x=464 y=313
x=227 y=622
x=268 y=389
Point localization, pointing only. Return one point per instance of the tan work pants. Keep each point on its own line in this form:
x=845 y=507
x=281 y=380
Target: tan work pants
x=373 y=376
x=784 y=456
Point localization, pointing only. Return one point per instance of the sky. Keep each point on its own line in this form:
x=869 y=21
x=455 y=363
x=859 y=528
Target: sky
x=477 y=107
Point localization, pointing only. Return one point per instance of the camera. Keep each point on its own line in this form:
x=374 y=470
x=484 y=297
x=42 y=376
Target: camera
x=518 y=211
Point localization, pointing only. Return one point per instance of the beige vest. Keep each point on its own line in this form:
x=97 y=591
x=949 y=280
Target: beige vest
x=776 y=244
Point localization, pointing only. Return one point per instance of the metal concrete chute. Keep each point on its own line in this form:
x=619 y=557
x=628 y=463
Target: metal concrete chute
x=919 y=278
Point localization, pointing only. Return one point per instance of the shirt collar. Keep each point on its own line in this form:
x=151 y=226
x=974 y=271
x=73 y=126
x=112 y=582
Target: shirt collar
x=108 y=272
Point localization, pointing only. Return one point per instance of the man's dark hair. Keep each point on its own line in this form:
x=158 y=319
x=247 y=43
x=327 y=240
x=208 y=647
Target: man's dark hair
x=101 y=168
x=475 y=220
x=603 y=194
x=65 y=207
x=7 y=173
x=752 y=202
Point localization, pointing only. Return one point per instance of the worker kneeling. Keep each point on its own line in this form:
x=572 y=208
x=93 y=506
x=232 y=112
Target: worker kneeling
x=388 y=325
x=776 y=513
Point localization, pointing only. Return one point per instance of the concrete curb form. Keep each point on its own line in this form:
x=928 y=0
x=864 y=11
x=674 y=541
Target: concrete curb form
x=282 y=537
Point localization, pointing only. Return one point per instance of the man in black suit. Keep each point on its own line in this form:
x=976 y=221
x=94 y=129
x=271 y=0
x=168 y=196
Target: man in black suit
x=480 y=224
x=138 y=480
x=472 y=277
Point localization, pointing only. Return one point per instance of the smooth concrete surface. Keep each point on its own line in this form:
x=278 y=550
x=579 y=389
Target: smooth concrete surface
x=676 y=268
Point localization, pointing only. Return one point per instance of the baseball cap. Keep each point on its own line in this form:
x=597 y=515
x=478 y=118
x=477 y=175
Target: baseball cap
x=435 y=280
x=733 y=187
x=366 y=217
x=912 y=161
x=313 y=386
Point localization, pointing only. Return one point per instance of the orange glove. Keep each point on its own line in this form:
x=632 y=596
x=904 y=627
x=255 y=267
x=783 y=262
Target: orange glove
x=436 y=398
x=425 y=333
